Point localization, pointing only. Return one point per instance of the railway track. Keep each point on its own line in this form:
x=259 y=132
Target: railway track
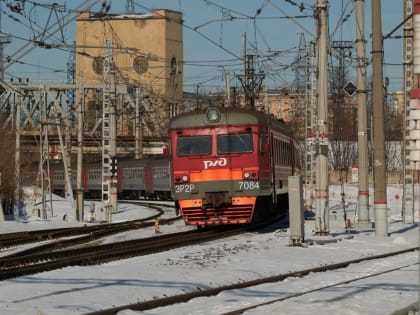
x=42 y=258
x=16 y=239
x=175 y=300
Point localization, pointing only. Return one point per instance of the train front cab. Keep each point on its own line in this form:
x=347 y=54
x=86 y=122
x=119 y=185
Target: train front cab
x=219 y=171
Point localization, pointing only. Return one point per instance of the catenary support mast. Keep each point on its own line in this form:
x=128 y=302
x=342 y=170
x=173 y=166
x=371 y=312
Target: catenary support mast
x=363 y=221
x=321 y=192
x=379 y=172
x=109 y=180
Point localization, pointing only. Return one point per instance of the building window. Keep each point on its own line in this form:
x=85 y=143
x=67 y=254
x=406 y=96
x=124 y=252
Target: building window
x=174 y=66
x=98 y=64
x=141 y=64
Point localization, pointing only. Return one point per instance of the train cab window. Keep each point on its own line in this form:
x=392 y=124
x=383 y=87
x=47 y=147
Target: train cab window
x=234 y=143
x=196 y=145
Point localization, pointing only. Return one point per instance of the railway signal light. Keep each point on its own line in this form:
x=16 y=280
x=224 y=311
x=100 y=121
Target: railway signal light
x=114 y=167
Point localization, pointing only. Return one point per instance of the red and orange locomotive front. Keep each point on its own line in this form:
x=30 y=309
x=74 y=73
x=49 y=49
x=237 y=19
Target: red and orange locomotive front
x=221 y=164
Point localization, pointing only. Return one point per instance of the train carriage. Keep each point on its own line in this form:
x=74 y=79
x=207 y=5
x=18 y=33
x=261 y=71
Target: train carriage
x=58 y=180
x=92 y=180
x=132 y=178
x=147 y=178
x=160 y=176
x=229 y=166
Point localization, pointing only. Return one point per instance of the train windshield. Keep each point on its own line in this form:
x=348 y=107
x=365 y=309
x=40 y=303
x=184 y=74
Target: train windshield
x=198 y=145
x=234 y=143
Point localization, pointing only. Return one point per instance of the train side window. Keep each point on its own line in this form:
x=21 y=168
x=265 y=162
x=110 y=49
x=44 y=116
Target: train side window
x=281 y=153
x=275 y=157
x=234 y=143
x=196 y=145
x=285 y=153
x=137 y=173
x=263 y=141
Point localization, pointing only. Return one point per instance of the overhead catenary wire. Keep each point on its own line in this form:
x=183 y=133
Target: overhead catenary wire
x=25 y=49
x=226 y=9
x=57 y=44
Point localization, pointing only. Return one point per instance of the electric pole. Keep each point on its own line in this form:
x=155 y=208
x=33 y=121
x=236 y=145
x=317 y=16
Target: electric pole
x=109 y=133
x=250 y=81
x=129 y=6
x=363 y=221
x=17 y=194
x=4 y=39
x=137 y=123
x=80 y=125
x=321 y=190
x=379 y=171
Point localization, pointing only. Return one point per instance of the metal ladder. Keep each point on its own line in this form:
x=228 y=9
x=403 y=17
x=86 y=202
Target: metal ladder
x=311 y=129
x=106 y=122
x=408 y=183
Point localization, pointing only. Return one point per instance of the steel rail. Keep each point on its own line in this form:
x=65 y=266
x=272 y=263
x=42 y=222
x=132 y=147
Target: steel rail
x=166 y=301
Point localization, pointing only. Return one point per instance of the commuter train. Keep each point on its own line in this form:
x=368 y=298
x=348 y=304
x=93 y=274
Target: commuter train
x=137 y=178
x=230 y=165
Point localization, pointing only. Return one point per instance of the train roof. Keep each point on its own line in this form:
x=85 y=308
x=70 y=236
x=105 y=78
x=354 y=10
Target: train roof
x=229 y=117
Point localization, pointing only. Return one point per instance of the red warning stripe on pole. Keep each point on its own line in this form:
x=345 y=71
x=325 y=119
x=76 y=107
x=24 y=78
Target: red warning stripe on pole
x=321 y=197
x=416 y=9
x=380 y=202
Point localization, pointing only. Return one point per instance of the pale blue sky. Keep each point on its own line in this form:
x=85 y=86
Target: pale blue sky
x=213 y=37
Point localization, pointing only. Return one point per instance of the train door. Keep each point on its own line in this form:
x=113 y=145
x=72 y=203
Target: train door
x=273 y=154
x=148 y=181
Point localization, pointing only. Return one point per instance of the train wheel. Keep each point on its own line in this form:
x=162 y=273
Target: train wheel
x=264 y=209
x=282 y=203
x=176 y=207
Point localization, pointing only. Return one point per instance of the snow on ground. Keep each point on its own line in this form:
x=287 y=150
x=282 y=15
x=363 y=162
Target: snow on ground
x=77 y=290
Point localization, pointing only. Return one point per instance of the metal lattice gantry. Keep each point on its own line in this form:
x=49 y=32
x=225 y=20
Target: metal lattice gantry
x=408 y=188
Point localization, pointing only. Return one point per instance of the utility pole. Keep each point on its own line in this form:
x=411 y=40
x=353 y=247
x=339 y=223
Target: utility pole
x=411 y=98
x=4 y=39
x=138 y=127
x=228 y=88
x=250 y=81
x=65 y=155
x=79 y=112
x=129 y=6
x=321 y=190
x=310 y=123
x=17 y=194
x=363 y=221
x=379 y=172
x=44 y=157
x=109 y=132
x=244 y=52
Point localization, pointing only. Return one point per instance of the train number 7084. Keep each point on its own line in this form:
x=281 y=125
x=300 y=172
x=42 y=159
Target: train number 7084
x=248 y=185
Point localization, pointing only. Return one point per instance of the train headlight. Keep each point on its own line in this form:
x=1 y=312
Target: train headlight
x=213 y=115
x=250 y=174
x=178 y=179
